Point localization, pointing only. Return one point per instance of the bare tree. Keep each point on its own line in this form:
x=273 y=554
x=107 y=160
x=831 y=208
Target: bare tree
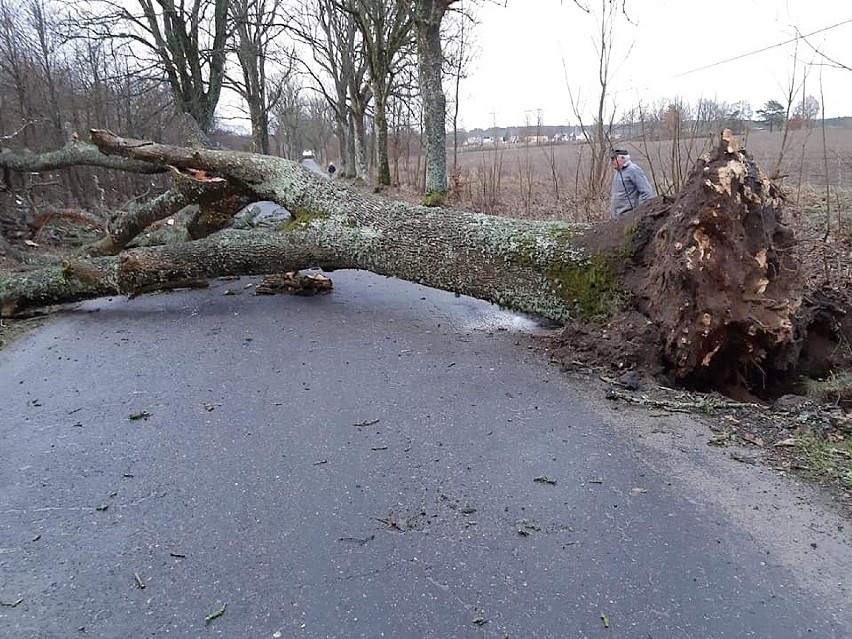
x=16 y=66
x=288 y=117
x=458 y=54
x=257 y=25
x=185 y=41
x=386 y=32
x=428 y=15
x=337 y=57
x=43 y=29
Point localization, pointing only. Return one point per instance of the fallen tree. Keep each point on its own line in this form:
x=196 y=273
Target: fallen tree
x=712 y=270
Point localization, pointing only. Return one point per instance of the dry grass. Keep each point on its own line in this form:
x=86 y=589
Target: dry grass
x=550 y=181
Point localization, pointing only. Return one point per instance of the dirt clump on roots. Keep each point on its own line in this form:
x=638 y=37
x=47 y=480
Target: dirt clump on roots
x=718 y=292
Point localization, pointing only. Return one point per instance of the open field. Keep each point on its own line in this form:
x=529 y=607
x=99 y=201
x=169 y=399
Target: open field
x=550 y=181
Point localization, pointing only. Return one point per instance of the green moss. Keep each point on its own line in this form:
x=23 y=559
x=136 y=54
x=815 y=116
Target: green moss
x=434 y=198
x=591 y=288
x=301 y=218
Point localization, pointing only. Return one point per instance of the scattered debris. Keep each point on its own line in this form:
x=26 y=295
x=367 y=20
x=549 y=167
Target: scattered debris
x=140 y=415
x=744 y=459
x=215 y=614
x=604 y=620
x=356 y=540
x=12 y=604
x=525 y=528
x=753 y=439
x=722 y=439
x=544 y=479
x=139 y=583
x=369 y=422
x=789 y=441
x=393 y=522
x=294 y=283
x=630 y=380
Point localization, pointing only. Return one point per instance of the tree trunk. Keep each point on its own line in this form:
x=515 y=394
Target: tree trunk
x=383 y=176
x=359 y=144
x=430 y=59
x=710 y=270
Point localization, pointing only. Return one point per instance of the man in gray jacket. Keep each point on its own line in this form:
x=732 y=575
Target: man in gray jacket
x=629 y=184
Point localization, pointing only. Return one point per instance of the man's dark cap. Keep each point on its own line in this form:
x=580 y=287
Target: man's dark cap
x=616 y=152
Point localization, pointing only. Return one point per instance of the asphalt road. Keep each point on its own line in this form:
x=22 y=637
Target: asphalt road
x=384 y=461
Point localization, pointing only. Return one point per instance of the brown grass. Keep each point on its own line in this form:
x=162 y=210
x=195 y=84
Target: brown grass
x=549 y=181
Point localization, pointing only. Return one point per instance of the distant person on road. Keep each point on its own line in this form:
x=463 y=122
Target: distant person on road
x=629 y=184
x=331 y=170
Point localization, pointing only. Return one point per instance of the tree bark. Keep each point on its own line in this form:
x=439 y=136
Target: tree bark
x=711 y=269
x=429 y=14
x=76 y=153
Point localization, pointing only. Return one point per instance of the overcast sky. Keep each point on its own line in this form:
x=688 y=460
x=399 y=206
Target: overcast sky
x=532 y=51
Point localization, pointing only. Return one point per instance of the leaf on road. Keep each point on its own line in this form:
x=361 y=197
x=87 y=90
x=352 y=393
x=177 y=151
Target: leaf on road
x=790 y=441
x=721 y=440
x=544 y=479
x=604 y=620
x=140 y=415
x=215 y=614
x=753 y=439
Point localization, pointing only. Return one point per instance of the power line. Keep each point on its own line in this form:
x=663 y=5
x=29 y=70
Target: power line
x=738 y=57
x=770 y=47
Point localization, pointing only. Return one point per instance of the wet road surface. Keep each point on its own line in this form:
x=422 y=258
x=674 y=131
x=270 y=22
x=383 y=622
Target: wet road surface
x=385 y=461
